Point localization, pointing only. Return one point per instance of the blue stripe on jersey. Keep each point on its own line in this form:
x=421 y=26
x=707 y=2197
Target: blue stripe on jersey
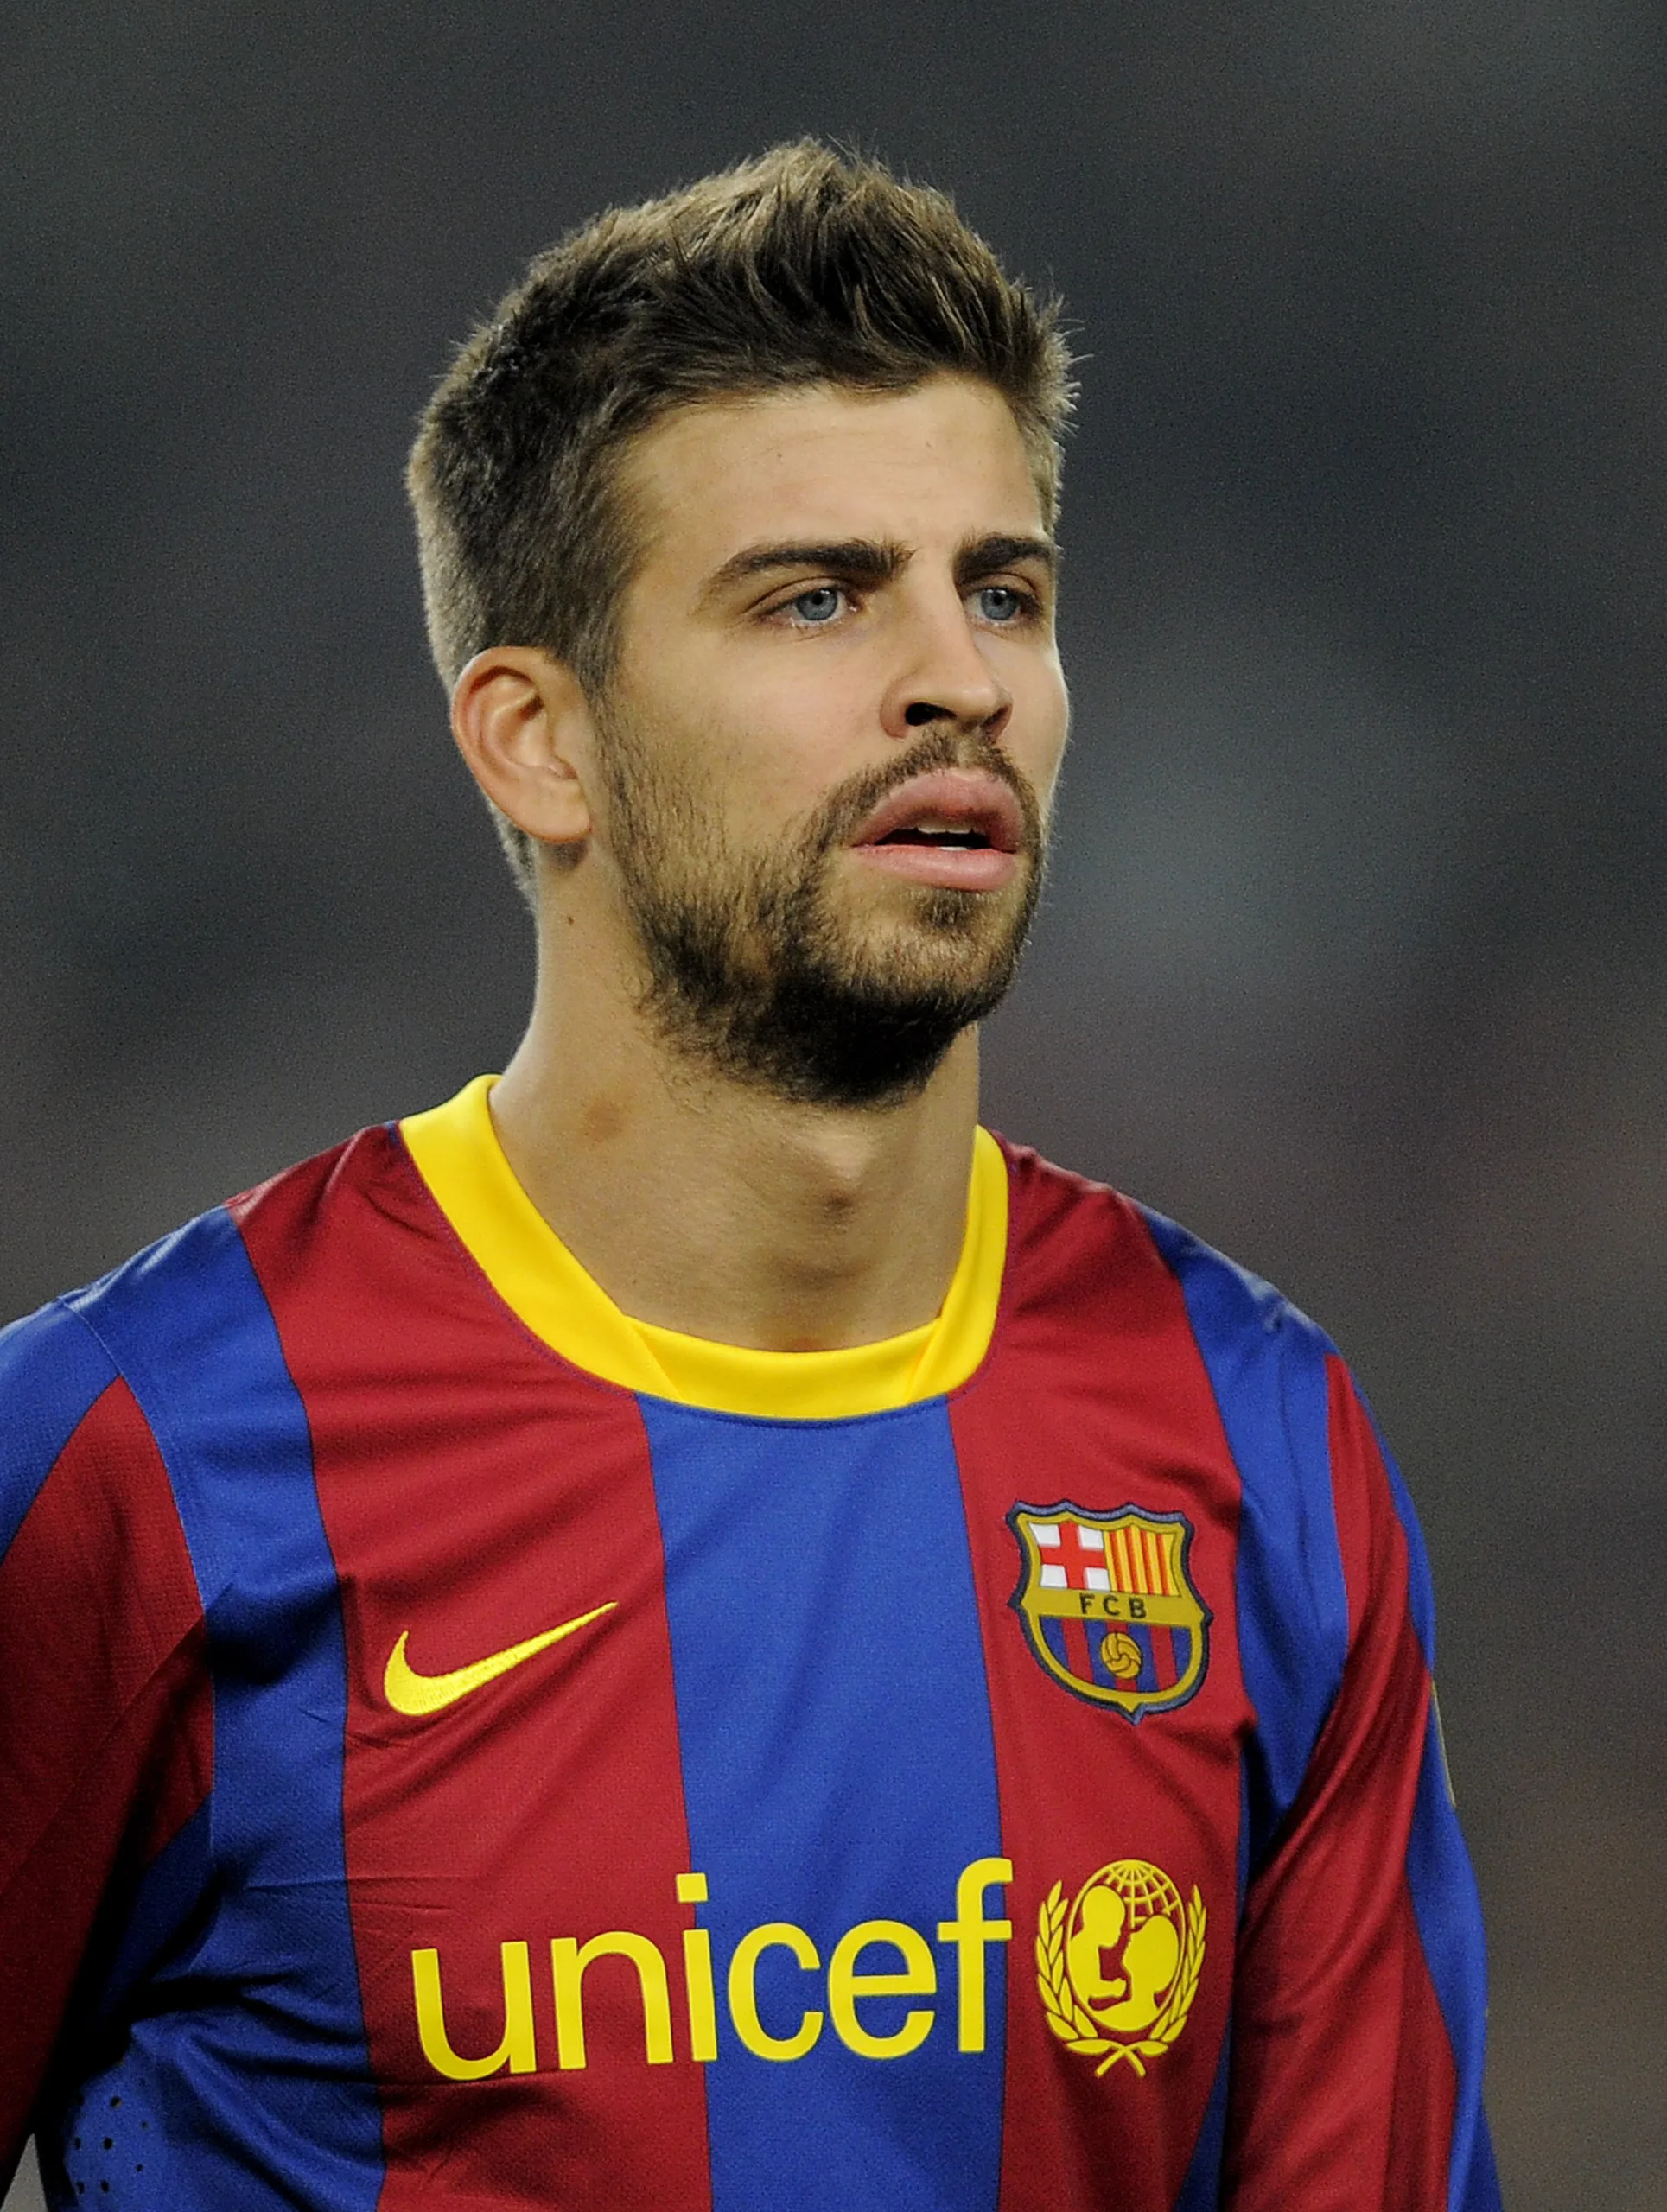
x=1476 y=2188
x=170 y=1893
x=1202 y=2190
x=276 y=2025
x=1267 y=1367
x=851 y=1779
x=1449 y=1915
x=51 y=1373
x=110 y=2139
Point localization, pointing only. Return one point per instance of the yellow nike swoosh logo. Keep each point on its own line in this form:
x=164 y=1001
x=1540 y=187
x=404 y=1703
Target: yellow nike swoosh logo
x=408 y=1692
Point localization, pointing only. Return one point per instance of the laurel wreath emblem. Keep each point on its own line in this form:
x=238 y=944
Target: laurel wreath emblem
x=1076 y=2027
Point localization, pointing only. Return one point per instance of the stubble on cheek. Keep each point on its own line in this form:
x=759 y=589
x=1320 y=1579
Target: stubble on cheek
x=763 y=966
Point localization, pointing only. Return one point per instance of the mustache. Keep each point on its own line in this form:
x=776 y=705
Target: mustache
x=844 y=809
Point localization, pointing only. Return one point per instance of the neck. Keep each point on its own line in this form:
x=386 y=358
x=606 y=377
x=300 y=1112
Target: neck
x=704 y=1206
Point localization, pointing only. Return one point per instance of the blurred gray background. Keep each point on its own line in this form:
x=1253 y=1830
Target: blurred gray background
x=1353 y=956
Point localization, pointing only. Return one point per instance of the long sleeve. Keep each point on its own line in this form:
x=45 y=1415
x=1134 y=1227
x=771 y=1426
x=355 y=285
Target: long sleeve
x=105 y=1718
x=1359 y=1999
x=1355 y=2075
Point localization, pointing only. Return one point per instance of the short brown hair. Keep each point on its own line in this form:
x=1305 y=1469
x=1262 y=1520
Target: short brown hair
x=805 y=266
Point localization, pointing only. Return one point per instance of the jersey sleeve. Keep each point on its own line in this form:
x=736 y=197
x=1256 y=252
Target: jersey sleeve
x=1358 y=2026
x=105 y=1719
x=1355 y=2078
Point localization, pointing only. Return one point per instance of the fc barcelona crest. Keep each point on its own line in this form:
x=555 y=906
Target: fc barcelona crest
x=1108 y=1606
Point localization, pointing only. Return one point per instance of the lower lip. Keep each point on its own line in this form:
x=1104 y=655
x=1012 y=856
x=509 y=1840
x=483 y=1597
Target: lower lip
x=946 y=867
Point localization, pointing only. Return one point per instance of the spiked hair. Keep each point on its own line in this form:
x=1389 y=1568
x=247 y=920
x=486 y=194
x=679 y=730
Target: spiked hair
x=803 y=267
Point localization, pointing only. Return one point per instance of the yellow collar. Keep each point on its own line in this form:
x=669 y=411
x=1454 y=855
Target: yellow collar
x=459 y=1157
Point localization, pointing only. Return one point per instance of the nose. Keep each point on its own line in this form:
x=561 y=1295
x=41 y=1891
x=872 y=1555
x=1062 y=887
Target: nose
x=942 y=676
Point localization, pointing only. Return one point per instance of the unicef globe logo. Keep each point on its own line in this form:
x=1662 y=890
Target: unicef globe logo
x=1117 y=1967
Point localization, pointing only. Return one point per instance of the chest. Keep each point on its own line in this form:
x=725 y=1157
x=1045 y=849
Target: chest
x=705 y=1780
x=609 y=1660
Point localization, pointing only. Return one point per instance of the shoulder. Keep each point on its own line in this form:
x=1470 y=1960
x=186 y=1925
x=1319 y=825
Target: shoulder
x=101 y=1386
x=1112 y=1278
x=96 y=1589
x=193 y=1282
x=1071 y=1235
x=1109 y=1271
x=54 y=1375
x=1283 y=1393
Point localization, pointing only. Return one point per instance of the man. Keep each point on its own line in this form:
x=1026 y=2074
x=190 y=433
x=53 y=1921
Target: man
x=689 y=1629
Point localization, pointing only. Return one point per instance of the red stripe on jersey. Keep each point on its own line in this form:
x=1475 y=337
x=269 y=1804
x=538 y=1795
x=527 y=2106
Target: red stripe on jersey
x=1095 y=1394
x=101 y=1627
x=1075 y=1648
x=542 y=1803
x=1370 y=2104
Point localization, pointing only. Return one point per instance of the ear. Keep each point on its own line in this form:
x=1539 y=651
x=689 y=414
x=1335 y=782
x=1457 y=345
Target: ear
x=522 y=725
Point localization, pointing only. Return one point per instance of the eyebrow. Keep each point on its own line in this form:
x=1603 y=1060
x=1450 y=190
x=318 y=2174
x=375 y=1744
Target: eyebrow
x=862 y=559
x=870 y=561
x=989 y=554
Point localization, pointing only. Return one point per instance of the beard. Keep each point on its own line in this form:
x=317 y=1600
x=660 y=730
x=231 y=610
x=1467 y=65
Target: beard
x=751 y=967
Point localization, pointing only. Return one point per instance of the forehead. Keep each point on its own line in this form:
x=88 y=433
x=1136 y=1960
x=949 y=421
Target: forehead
x=941 y=462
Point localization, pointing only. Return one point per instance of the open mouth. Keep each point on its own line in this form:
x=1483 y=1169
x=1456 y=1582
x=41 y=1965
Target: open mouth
x=951 y=829
x=948 y=810
x=965 y=840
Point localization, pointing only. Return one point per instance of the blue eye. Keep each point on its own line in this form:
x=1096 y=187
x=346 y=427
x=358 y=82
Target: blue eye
x=1001 y=603
x=819 y=605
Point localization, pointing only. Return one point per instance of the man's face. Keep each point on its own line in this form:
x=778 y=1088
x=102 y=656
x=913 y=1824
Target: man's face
x=830 y=741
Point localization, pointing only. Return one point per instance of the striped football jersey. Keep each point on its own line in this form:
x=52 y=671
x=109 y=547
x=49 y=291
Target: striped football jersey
x=460 y=1747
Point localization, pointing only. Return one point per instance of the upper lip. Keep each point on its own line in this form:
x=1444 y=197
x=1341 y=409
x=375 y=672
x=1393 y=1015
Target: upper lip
x=957 y=799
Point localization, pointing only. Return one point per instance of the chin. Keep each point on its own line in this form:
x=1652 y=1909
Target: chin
x=951 y=940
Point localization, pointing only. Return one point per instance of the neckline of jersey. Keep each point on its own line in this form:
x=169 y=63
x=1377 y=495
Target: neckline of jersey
x=457 y=1153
